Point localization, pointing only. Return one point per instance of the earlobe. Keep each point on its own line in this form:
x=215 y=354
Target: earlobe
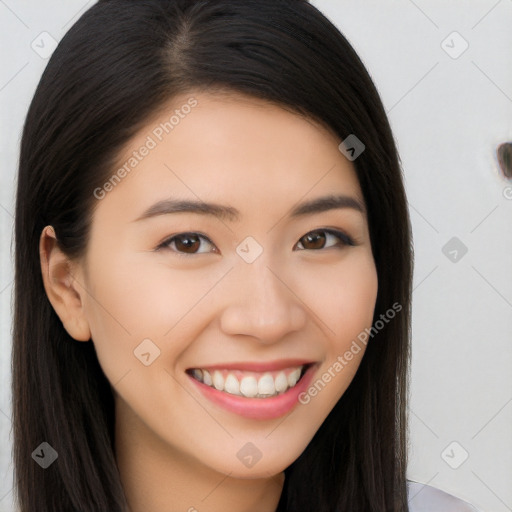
x=60 y=286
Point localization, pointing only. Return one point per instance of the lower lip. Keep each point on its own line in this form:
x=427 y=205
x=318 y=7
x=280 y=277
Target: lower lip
x=258 y=408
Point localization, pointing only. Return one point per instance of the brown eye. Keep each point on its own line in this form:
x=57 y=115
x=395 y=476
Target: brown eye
x=186 y=243
x=315 y=240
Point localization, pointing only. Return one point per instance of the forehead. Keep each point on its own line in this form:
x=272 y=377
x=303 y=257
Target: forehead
x=228 y=148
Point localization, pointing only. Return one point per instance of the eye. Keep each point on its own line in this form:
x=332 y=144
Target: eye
x=190 y=242
x=187 y=243
x=317 y=239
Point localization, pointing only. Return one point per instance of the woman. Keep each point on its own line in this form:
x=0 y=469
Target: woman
x=213 y=269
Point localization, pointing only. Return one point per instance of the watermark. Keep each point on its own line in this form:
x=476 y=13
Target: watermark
x=45 y=455
x=351 y=147
x=151 y=142
x=249 y=249
x=454 y=455
x=454 y=249
x=454 y=45
x=343 y=360
x=146 y=352
x=507 y=192
x=44 y=45
x=249 y=454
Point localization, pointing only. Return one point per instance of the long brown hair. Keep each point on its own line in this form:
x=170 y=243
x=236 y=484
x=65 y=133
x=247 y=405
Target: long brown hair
x=118 y=64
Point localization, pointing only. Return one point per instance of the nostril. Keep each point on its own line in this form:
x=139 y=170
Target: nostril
x=504 y=153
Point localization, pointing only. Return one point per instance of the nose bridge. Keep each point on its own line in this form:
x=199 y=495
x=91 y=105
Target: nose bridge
x=265 y=289
x=262 y=304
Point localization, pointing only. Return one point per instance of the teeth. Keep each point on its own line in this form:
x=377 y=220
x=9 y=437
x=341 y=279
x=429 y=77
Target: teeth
x=250 y=386
x=207 y=378
x=232 y=385
x=218 y=380
x=281 y=382
x=266 y=385
x=294 y=377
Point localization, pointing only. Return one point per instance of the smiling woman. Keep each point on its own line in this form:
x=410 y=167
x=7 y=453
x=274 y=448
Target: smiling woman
x=212 y=304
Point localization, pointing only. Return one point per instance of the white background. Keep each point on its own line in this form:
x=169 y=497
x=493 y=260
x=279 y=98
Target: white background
x=448 y=116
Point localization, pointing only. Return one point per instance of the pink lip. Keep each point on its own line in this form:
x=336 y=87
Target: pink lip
x=258 y=367
x=258 y=408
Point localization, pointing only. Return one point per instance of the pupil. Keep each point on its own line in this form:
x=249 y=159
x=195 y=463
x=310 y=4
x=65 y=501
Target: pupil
x=316 y=238
x=186 y=243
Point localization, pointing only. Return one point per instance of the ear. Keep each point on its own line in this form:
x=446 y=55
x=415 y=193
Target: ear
x=62 y=287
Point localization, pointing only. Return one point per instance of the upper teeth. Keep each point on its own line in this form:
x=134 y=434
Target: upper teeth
x=249 y=384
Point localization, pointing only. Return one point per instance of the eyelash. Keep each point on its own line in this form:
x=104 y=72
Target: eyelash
x=345 y=240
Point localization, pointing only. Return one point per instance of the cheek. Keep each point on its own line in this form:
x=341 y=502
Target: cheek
x=131 y=301
x=342 y=297
x=346 y=308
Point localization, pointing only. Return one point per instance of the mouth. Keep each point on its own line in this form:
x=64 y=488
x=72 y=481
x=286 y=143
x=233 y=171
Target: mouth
x=250 y=384
x=258 y=391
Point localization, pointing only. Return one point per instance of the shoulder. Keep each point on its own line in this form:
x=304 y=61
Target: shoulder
x=425 y=498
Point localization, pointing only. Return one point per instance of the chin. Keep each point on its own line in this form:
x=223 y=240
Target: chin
x=266 y=466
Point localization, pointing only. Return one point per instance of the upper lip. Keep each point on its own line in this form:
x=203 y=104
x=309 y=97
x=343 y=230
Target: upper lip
x=257 y=366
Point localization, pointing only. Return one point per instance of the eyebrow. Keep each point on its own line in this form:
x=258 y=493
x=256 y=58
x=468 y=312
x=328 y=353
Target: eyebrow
x=318 y=205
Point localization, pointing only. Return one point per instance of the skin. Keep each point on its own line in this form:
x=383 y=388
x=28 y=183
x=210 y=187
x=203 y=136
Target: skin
x=176 y=450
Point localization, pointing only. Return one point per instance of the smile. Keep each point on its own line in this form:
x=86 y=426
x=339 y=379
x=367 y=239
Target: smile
x=256 y=391
x=250 y=384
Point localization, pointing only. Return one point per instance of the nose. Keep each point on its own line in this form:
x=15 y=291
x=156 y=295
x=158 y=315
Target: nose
x=262 y=303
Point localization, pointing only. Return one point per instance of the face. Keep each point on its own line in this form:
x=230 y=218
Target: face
x=204 y=318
